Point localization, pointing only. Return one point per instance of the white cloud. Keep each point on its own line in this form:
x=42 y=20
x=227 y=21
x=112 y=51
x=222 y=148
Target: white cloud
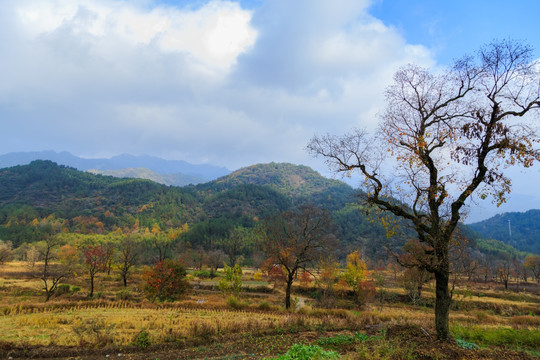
x=216 y=83
x=213 y=35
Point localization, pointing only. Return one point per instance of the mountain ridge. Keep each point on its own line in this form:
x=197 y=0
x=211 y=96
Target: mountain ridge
x=177 y=179
x=170 y=168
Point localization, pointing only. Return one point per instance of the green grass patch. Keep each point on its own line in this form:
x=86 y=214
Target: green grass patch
x=341 y=340
x=501 y=336
x=307 y=352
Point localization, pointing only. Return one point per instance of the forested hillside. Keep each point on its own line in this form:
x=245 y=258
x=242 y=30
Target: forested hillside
x=298 y=182
x=203 y=217
x=521 y=230
x=86 y=203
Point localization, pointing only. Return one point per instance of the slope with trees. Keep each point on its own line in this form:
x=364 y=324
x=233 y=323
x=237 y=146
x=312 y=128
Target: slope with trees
x=202 y=218
x=86 y=203
x=521 y=230
x=297 y=182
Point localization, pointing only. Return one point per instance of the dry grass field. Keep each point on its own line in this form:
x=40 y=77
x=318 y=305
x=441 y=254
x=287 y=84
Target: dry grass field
x=486 y=322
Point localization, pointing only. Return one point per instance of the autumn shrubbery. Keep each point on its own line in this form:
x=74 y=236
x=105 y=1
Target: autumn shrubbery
x=166 y=280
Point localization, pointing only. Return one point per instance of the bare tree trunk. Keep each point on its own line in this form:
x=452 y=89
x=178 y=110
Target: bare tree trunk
x=290 y=279
x=442 y=305
x=48 y=291
x=91 y=286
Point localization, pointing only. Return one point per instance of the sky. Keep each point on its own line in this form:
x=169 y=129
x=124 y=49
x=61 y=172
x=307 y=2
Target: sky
x=230 y=83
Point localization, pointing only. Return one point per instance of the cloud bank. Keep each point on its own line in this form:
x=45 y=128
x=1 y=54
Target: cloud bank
x=214 y=83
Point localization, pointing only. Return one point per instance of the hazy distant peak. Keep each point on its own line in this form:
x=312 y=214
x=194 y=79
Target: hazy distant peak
x=178 y=179
x=194 y=173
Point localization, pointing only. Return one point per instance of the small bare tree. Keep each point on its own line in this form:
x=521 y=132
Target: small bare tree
x=94 y=262
x=126 y=257
x=297 y=239
x=443 y=138
x=504 y=271
x=532 y=263
x=32 y=256
x=53 y=268
x=6 y=251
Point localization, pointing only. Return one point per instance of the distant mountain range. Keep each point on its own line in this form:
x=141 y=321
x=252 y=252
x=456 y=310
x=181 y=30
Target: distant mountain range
x=168 y=172
x=178 y=179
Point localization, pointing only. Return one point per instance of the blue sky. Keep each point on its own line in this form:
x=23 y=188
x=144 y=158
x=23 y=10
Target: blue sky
x=451 y=28
x=224 y=82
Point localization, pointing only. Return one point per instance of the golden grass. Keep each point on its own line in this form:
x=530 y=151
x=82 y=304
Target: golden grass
x=118 y=323
x=70 y=327
x=68 y=321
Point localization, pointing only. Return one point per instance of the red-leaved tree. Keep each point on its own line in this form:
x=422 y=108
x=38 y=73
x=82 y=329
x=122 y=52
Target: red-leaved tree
x=95 y=262
x=166 y=280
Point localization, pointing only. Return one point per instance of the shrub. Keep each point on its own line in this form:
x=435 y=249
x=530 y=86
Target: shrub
x=232 y=281
x=466 y=345
x=234 y=303
x=257 y=276
x=305 y=279
x=499 y=336
x=142 y=339
x=94 y=331
x=264 y=305
x=202 y=330
x=124 y=294
x=341 y=340
x=63 y=289
x=204 y=274
x=166 y=280
x=366 y=292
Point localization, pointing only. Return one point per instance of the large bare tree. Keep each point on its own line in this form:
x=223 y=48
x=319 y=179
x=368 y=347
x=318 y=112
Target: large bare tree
x=443 y=138
x=297 y=239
